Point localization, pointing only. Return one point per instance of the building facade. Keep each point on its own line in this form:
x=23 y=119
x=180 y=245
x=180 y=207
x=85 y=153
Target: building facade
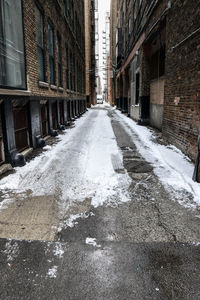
x=106 y=53
x=42 y=73
x=112 y=64
x=90 y=52
x=157 y=67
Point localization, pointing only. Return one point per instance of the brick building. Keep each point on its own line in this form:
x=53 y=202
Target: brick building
x=90 y=52
x=112 y=63
x=42 y=73
x=158 y=75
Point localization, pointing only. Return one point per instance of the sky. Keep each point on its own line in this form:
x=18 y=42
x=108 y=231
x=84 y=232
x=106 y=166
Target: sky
x=104 y=6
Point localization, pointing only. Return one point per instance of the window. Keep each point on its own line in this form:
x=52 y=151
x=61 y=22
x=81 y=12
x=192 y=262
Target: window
x=40 y=43
x=65 y=7
x=51 y=54
x=12 y=59
x=67 y=68
x=59 y=61
x=72 y=15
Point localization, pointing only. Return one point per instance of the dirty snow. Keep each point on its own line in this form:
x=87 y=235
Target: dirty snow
x=77 y=168
x=11 y=250
x=172 y=167
x=92 y=241
x=52 y=273
x=58 y=251
x=71 y=221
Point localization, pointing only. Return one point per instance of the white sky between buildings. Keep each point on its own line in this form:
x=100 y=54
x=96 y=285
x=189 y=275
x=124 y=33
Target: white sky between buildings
x=104 y=6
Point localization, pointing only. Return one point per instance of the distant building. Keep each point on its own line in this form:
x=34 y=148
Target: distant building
x=106 y=51
x=157 y=67
x=99 y=88
x=112 y=65
x=42 y=72
x=90 y=36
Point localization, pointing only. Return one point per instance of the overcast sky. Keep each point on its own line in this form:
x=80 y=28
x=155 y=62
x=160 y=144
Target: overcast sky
x=104 y=6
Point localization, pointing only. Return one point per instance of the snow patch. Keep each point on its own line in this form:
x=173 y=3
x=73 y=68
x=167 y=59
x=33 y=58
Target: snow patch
x=92 y=241
x=58 y=250
x=172 y=167
x=79 y=167
x=47 y=147
x=52 y=273
x=70 y=222
x=11 y=250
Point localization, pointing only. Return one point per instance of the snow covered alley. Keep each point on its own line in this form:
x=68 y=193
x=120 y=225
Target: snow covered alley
x=112 y=209
x=89 y=168
x=40 y=195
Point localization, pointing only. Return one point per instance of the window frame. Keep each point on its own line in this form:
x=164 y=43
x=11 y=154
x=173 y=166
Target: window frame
x=59 y=60
x=38 y=46
x=8 y=87
x=51 y=54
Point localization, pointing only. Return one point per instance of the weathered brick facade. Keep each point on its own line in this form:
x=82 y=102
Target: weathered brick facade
x=182 y=88
x=158 y=54
x=90 y=52
x=43 y=106
x=53 y=12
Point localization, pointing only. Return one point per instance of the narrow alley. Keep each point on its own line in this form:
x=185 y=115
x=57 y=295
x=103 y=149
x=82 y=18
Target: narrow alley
x=91 y=218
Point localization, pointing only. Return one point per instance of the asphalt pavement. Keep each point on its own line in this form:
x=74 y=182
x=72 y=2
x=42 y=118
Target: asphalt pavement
x=146 y=248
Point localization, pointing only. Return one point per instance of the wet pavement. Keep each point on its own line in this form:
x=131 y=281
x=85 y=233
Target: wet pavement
x=143 y=248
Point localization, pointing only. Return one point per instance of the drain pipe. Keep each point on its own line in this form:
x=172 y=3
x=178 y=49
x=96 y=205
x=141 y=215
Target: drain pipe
x=196 y=174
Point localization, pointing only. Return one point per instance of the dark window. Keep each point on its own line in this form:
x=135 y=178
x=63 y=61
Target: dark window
x=51 y=54
x=40 y=43
x=65 y=7
x=59 y=61
x=12 y=61
x=72 y=14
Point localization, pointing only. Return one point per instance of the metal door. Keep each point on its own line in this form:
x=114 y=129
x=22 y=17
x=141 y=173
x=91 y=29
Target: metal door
x=21 y=127
x=44 y=118
x=61 y=113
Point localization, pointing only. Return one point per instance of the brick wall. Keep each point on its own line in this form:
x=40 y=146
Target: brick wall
x=182 y=87
x=54 y=13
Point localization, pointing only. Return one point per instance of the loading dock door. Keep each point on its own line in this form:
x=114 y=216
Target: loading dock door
x=44 y=119
x=54 y=118
x=21 y=127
